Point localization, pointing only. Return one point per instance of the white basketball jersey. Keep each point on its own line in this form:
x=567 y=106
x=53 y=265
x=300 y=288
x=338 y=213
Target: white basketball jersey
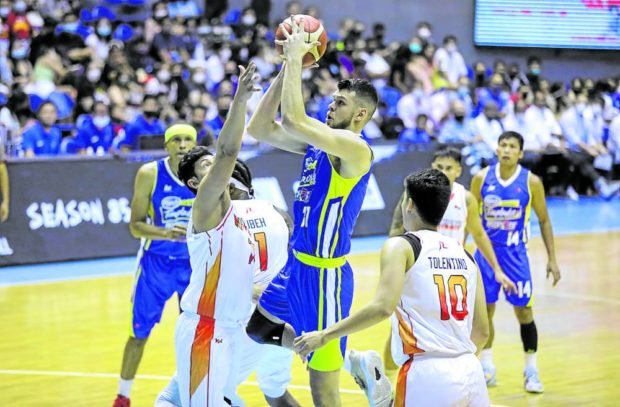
x=455 y=218
x=223 y=262
x=435 y=312
x=270 y=232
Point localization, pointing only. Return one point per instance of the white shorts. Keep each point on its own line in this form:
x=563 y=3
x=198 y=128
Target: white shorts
x=271 y=363
x=442 y=381
x=203 y=359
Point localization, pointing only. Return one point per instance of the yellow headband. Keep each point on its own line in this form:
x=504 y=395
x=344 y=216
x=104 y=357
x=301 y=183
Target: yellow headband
x=180 y=129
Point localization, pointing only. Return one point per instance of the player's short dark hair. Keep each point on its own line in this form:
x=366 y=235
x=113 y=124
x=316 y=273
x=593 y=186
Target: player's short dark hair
x=364 y=90
x=448 y=152
x=243 y=174
x=511 y=134
x=429 y=189
x=186 y=166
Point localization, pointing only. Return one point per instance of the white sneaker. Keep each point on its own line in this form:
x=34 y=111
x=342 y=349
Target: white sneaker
x=532 y=382
x=489 y=374
x=169 y=397
x=367 y=370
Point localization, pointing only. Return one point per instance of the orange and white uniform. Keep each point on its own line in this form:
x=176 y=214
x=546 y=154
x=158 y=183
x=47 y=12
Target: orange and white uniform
x=215 y=307
x=432 y=324
x=454 y=219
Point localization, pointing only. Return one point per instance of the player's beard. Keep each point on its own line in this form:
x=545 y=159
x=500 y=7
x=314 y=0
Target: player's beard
x=343 y=124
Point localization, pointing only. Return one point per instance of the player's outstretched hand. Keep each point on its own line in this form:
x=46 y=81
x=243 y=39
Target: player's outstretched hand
x=176 y=233
x=295 y=45
x=506 y=283
x=554 y=270
x=248 y=82
x=308 y=343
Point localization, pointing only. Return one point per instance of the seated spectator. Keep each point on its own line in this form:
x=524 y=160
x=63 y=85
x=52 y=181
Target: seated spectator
x=95 y=133
x=543 y=130
x=613 y=143
x=582 y=129
x=495 y=92
x=411 y=105
x=534 y=72
x=417 y=138
x=458 y=129
x=199 y=119
x=144 y=125
x=42 y=137
x=449 y=61
x=488 y=127
x=223 y=104
x=169 y=44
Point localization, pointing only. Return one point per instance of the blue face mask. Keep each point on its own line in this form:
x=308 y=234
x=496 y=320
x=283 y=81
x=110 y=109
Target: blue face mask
x=19 y=53
x=3 y=99
x=104 y=30
x=415 y=47
x=463 y=91
x=71 y=27
x=535 y=71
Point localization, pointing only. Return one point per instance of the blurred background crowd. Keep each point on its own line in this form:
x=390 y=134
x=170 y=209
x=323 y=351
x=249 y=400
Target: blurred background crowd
x=96 y=78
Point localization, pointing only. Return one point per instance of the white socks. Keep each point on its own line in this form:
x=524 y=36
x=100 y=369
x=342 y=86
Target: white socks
x=530 y=360
x=486 y=356
x=347 y=361
x=124 y=387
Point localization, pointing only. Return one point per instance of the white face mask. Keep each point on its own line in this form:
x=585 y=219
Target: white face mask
x=580 y=107
x=248 y=20
x=101 y=121
x=163 y=75
x=424 y=32
x=93 y=75
x=199 y=78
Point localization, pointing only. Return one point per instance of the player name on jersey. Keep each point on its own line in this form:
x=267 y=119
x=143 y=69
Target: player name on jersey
x=447 y=263
x=256 y=223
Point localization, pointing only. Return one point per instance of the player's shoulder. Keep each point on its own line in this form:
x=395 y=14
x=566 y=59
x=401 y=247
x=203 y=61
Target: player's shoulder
x=480 y=175
x=148 y=170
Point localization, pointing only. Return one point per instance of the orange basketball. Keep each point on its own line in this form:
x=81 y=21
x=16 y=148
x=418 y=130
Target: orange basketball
x=314 y=31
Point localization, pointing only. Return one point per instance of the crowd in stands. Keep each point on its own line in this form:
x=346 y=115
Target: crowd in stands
x=82 y=78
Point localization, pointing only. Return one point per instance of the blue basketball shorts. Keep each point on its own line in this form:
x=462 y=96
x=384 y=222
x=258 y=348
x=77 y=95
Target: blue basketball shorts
x=158 y=277
x=311 y=299
x=515 y=263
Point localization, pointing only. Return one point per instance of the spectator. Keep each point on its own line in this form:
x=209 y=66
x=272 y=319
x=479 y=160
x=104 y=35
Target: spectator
x=496 y=93
x=613 y=143
x=449 y=61
x=42 y=137
x=146 y=124
x=262 y=8
x=459 y=128
x=534 y=71
x=95 y=133
x=412 y=105
x=199 y=119
x=543 y=130
x=417 y=138
x=8 y=120
x=223 y=103
x=169 y=44
x=488 y=127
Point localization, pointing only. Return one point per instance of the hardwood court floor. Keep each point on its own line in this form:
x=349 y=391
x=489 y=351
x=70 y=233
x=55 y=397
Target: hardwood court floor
x=61 y=343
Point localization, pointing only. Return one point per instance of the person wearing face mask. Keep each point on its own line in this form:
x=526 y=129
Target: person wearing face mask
x=495 y=92
x=95 y=132
x=199 y=122
x=215 y=125
x=583 y=130
x=459 y=128
x=146 y=124
x=534 y=70
x=424 y=30
x=413 y=104
x=449 y=60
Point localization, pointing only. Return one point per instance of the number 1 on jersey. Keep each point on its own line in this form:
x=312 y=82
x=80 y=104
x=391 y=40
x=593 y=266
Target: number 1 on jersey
x=261 y=239
x=453 y=282
x=306 y=216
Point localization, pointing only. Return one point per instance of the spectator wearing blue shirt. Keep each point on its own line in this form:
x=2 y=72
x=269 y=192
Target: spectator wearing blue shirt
x=216 y=124
x=43 y=137
x=459 y=128
x=199 y=115
x=494 y=93
x=417 y=138
x=95 y=133
x=144 y=125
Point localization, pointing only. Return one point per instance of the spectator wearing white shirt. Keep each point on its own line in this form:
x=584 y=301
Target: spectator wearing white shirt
x=583 y=129
x=488 y=126
x=449 y=60
x=413 y=104
x=613 y=142
x=543 y=127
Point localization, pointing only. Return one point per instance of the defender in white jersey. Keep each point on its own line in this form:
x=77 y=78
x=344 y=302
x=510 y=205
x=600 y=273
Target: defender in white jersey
x=270 y=229
x=223 y=259
x=432 y=289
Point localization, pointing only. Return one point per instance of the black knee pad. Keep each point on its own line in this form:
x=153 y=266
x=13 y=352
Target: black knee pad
x=264 y=331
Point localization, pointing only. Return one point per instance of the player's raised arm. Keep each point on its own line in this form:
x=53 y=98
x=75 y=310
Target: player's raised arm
x=263 y=126
x=211 y=202
x=396 y=258
x=540 y=207
x=335 y=141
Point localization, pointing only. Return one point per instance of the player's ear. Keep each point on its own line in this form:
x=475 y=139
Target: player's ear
x=459 y=170
x=193 y=182
x=362 y=114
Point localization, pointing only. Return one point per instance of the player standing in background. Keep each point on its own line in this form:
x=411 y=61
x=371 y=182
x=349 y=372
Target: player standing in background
x=159 y=214
x=270 y=227
x=428 y=286
x=507 y=193
x=461 y=216
x=315 y=289
x=218 y=299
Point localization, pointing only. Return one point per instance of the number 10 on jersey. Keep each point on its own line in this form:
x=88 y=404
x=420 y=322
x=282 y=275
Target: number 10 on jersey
x=456 y=284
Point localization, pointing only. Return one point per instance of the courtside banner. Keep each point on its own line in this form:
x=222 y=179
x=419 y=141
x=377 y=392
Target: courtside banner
x=71 y=209
x=68 y=209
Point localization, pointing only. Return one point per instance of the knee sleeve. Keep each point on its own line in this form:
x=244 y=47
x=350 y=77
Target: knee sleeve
x=261 y=330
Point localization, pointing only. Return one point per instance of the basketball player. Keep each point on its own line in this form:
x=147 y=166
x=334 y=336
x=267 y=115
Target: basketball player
x=315 y=288
x=431 y=288
x=218 y=298
x=270 y=228
x=460 y=217
x=507 y=193
x=159 y=215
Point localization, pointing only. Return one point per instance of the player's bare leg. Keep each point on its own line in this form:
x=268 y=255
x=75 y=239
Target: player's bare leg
x=286 y=400
x=134 y=348
x=529 y=337
x=325 y=388
x=486 y=356
x=391 y=368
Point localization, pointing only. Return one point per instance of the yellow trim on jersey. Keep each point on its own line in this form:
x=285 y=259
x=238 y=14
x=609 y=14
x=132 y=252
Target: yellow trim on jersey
x=338 y=187
x=511 y=203
x=528 y=211
x=480 y=204
x=321 y=300
x=319 y=262
x=151 y=211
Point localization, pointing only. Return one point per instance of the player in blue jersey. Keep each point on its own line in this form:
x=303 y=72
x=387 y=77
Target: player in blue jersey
x=507 y=192
x=159 y=214
x=315 y=288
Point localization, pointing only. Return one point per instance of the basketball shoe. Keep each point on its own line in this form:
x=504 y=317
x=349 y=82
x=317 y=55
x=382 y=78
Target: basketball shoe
x=367 y=371
x=121 y=401
x=532 y=383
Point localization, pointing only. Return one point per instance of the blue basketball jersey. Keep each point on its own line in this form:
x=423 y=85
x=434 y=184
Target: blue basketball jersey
x=326 y=207
x=171 y=202
x=506 y=207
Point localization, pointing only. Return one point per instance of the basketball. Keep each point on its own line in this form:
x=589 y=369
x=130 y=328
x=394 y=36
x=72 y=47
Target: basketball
x=314 y=31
